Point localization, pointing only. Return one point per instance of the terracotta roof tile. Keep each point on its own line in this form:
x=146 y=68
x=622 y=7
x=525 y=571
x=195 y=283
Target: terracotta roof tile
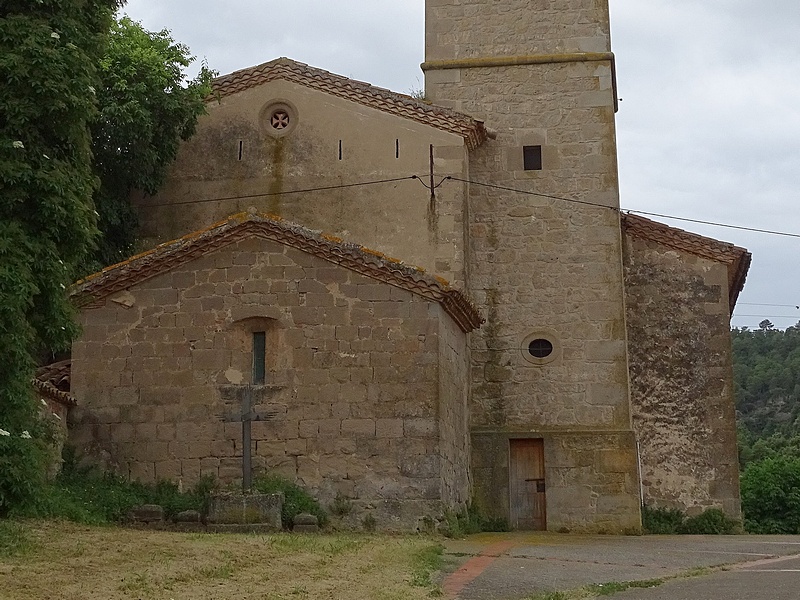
x=737 y=259
x=93 y=290
x=472 y=131
x=53 y=381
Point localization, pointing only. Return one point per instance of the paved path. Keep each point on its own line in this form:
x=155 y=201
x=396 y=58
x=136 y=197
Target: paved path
x=516 y=565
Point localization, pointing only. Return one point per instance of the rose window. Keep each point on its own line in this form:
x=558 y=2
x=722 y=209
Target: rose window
x=280 y=120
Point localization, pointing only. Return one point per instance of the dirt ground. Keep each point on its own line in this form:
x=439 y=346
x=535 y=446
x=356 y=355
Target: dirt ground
x=72 y=562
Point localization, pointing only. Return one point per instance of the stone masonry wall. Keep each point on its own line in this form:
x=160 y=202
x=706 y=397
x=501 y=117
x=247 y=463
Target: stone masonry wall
x=396 y=218
x=351 y=399
x=591 y=479
x=454 y=414
x=541 y=267
x=480 y=28
x=682 y=378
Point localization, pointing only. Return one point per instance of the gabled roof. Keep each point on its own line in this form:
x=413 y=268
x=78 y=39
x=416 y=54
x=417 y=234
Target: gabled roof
x=53 y=381
x=92 y=291
x=737 y=259
x=472 y=131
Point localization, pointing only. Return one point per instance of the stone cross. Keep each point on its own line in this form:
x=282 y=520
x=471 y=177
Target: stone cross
x=246 y=417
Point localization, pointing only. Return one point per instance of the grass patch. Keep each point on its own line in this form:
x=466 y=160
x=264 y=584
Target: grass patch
x=590 y=592
x=555 y=596
x=614 y=587
x=15 y=539
x=155 y=565
x=426 y=562
x=94 y=498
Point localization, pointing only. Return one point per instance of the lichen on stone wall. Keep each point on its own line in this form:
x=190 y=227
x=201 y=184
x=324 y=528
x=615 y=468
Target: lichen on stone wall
x=680 y=375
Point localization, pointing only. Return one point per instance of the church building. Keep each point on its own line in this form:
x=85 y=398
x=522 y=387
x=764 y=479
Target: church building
x=434 y=302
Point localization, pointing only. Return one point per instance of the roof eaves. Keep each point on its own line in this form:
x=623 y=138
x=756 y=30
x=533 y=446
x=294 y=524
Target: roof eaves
x=473 y=131
x=48 y=389
x=737 y=259
x=92 y=291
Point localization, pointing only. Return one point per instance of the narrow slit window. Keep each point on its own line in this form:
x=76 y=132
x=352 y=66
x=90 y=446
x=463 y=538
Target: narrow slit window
x=532 y=158
x=397 y=148
x=340 y=149
x=241 y=149
x=259 y=357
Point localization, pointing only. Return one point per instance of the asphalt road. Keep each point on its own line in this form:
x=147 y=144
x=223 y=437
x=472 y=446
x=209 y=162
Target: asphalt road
x=779 y=580
x=517 y=565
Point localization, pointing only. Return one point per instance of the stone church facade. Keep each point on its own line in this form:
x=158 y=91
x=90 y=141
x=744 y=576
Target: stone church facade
x=583 y=368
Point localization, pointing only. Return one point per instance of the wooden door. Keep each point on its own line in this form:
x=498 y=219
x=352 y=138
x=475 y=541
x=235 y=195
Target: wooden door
x=526 y=485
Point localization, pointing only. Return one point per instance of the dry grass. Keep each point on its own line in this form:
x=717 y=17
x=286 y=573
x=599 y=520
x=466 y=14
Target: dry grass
x=73 y=562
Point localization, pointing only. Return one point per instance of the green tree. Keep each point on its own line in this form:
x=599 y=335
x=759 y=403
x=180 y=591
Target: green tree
x=767 y=379
x=147 y=107
x=771 y=495
x=48 y=53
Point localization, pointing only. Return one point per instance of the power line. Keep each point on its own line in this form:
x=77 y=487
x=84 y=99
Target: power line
x=735 y=315
x=640 y=212
x=285 y=193
x=481 y=184
x=529 y=193
x=757 y=304
x=739 y=227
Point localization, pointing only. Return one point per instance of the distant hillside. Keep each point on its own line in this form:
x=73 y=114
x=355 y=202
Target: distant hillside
x=766 y=364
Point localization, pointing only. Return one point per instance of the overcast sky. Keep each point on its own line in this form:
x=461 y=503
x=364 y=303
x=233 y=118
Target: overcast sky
x=708 y=128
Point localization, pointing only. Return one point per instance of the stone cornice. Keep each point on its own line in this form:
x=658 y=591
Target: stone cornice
x=514 y=61
x=528 y=59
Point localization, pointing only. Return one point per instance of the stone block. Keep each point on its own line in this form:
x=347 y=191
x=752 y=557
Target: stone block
x=617 y=461
x=358 y=427
x=147 y=513
x=243 y=509
x=188 y=516
x=168 y=470
x=389 y=428
x=142 y=471
x=420 y=427
x=305 y=523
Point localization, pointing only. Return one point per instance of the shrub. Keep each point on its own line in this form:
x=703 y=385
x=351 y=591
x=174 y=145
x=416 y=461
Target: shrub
x=341 y=506
x=296 y=499
x=26 y=437
x=712 y=521
x=771 y=496
x=92 y=497
x=661 y=521
x=670 y=521
x=471 y=521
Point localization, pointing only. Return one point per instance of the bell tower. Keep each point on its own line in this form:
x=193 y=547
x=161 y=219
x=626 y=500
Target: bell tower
x=550 y=365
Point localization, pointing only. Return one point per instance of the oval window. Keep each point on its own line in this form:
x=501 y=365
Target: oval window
x=540 y=348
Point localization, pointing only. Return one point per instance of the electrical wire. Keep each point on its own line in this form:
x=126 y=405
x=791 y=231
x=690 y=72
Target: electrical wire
x=480 y=184
x=284 y=193
x=628 y=210
x=793 y=317
x=758 y=304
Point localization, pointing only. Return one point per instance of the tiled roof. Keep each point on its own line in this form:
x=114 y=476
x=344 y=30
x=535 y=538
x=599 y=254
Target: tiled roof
x=53 y=381
x=472 y=131
x=737 y=259
x=93 y=290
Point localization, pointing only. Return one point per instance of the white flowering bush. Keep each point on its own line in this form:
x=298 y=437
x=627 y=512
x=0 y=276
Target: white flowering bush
x=21 y=457
x=26 y=446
